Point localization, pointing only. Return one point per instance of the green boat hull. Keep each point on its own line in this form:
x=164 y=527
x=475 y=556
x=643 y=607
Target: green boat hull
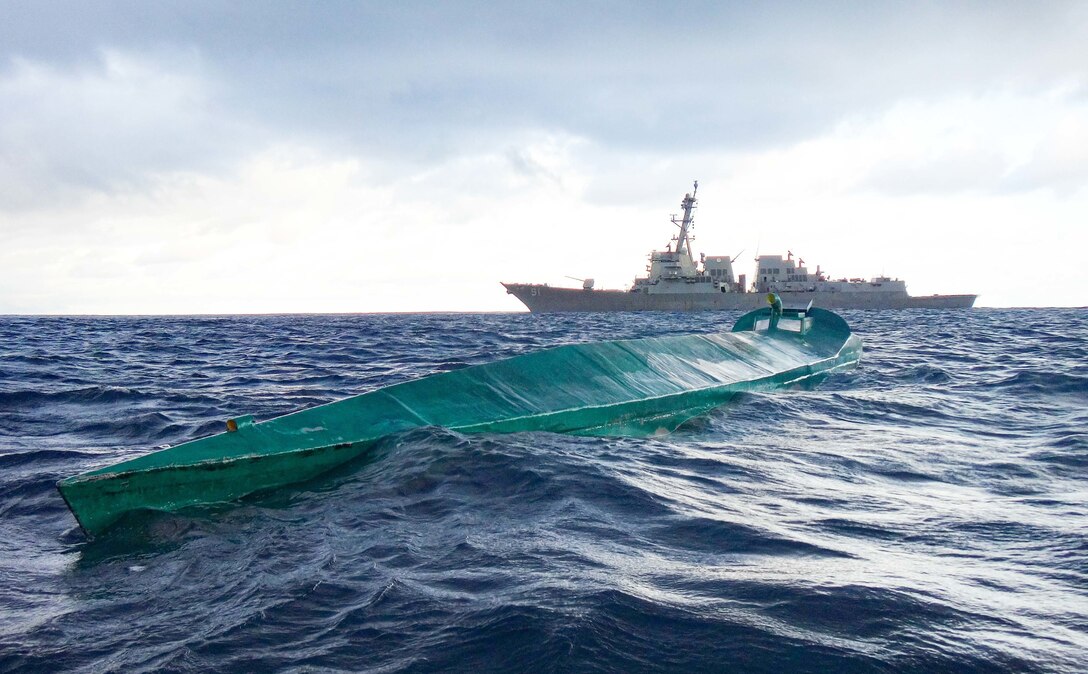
x=605 y=388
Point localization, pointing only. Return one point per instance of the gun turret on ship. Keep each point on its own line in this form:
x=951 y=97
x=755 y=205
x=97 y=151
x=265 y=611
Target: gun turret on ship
x=676 y=282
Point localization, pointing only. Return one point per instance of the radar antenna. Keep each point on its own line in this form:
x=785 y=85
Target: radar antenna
x=683 y=239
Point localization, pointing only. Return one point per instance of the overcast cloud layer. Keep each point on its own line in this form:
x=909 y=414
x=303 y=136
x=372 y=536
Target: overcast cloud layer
x=236 y=157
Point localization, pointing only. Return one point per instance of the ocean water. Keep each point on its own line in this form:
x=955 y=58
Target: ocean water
x=927 y=512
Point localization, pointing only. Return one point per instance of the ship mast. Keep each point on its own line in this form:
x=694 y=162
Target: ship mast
x=683 y=245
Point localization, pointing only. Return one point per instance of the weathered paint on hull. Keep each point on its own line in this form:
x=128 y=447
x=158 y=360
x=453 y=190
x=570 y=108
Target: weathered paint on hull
x=546 y=299
x=604 y=388
x=100 y=501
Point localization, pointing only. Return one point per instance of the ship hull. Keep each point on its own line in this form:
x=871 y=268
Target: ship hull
x=602 y=388
x=546 y=299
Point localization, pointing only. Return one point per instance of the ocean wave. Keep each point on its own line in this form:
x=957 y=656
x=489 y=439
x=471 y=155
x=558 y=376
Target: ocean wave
x=1039 y=383
x=90 y=395
x=922 y=513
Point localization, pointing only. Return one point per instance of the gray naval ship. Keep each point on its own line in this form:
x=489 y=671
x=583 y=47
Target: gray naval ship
x=676 y=282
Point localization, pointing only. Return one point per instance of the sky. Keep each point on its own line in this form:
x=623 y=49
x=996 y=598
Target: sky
x=266 y=157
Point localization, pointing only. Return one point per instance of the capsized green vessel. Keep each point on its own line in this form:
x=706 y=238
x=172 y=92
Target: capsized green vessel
x=602 y=388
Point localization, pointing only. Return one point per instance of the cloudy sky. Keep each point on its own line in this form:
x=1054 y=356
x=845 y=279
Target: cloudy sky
x=211 y=157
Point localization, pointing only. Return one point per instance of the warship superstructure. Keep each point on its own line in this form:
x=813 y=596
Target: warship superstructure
x=675 y=281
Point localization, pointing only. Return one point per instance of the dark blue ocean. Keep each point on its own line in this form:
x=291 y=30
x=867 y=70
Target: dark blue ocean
x=927 y=512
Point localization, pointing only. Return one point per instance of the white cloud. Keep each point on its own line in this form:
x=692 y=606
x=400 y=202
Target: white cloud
x=290 y=230
x=295 y=229
x=107 y=124
x=933 y=192
x=347 y=159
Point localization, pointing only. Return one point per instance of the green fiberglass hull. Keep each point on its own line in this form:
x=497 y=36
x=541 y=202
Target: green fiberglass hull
x=603 y=388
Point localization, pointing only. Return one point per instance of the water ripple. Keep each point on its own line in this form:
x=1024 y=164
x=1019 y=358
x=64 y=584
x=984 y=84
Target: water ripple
x=923 y=513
